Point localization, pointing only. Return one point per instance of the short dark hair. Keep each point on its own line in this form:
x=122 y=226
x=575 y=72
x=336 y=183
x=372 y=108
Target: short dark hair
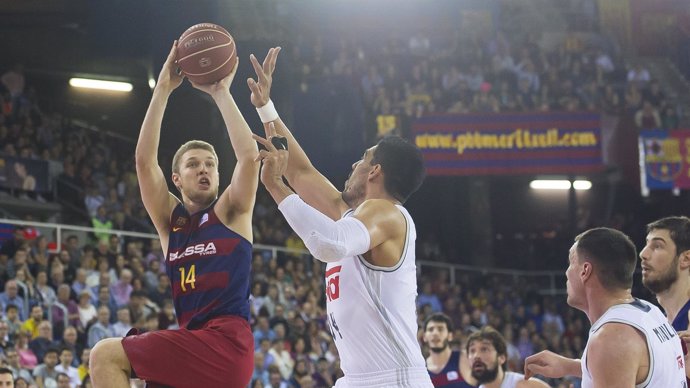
x=613 y=252
x=62 y=374
x=488 y=333
x=51 y=350
x=11 y=306
x=402 y=165
x=440 y=318
x=679 y=229
x=6 y=371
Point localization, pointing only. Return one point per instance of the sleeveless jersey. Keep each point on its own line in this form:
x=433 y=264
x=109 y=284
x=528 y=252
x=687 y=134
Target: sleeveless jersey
x=681 y=324
x=510 y=380
x=450 y=376
x=209 y=267
x=372 y=315
x=667 y=365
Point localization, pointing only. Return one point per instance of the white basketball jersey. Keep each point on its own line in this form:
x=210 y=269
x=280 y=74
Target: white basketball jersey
x=667 y=364
x=510 y=380
x=373 y=319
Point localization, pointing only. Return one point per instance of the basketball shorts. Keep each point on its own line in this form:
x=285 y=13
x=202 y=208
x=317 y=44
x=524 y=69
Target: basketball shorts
x=220 y=354
x=407 y=377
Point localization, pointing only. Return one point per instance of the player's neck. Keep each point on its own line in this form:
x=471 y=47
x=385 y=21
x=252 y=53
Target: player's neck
x=194 y=207
x=601 y=303
x=675 y=297
x=378 y=191
x=439 y=360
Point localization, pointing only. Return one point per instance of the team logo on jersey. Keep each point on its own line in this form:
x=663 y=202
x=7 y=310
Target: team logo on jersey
x=452 y=375
x=681 y=365
x=181 y=221
x=333 y=283
x=204 y=218
x=198 y=249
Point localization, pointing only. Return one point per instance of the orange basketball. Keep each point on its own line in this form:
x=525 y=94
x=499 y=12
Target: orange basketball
x=206 y=53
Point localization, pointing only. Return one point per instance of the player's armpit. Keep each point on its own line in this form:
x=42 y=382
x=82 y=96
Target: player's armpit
x=617 y=356
x=158 y=201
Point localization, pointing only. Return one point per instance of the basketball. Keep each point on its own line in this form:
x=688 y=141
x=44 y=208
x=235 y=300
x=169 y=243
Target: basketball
x=206 y=53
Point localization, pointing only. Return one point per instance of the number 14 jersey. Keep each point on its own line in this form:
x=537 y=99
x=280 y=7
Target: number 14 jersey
x=209 y=267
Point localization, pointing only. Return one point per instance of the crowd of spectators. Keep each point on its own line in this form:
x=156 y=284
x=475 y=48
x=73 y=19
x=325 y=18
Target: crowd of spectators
x=404 y=77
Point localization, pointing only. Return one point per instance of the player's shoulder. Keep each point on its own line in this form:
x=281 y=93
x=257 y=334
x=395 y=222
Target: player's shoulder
x=622 y=337
x=379 y=211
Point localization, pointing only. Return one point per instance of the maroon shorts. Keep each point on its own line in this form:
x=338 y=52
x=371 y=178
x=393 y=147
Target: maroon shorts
x=218 y=355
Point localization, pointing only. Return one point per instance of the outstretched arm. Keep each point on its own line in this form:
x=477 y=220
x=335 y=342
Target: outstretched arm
x=307 y=181
x=373 y=222
x=236 y=204
x=158 y=201
x=550 y=364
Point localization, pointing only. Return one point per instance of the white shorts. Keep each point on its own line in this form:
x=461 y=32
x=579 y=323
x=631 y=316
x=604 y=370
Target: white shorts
x=408 y=378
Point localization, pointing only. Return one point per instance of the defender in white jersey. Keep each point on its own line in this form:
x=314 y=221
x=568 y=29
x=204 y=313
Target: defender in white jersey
x=630 y=342
x=366 y=237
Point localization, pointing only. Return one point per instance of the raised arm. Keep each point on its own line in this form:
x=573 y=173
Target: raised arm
x=307 y=181
x=236 y=204
x=158 y=201
x=374 y=222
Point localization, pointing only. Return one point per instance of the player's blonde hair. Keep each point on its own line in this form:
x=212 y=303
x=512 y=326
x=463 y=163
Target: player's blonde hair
x=191 y=145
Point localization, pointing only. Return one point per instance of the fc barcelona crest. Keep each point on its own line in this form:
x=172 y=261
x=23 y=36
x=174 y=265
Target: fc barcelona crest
x=663 y=159
x=181 y=221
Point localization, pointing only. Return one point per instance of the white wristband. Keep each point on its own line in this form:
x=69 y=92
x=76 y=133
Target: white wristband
x=268 y=112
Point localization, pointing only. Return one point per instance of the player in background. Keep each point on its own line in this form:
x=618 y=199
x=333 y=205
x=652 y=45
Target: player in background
x=665 y=261
x=447 y=368
x=487 y=354
x=630 y=342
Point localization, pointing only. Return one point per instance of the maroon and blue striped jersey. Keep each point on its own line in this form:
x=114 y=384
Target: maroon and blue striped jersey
x=209 y=267
x=450 y=376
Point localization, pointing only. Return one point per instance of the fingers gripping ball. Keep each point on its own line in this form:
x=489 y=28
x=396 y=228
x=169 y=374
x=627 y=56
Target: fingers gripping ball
x=206 y=53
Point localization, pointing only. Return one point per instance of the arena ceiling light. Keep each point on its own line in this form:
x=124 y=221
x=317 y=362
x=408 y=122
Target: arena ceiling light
x=559 y=184
x=88 y=83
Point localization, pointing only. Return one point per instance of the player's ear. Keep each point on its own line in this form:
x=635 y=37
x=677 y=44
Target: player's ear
x=586 y=272
x=684 y=260
x=176 y=180
x=375 y=171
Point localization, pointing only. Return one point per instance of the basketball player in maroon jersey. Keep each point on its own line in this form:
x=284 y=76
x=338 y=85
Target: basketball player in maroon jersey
x=207 y=239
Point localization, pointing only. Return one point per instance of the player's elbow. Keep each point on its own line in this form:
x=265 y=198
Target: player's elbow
x=295 y=171
x=143 y=159
x=323 y=249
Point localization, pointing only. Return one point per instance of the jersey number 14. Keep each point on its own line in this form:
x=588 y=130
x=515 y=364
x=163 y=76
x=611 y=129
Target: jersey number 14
x=187 y=277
